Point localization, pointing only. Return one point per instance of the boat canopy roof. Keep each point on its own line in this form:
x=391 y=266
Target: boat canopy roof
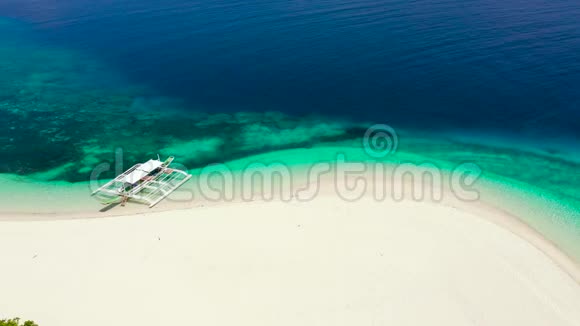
x=142 y=171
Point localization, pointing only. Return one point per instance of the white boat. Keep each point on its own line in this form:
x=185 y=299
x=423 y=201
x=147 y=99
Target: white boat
x=148 y=182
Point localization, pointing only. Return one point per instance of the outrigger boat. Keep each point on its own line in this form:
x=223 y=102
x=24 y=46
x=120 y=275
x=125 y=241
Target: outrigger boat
x=148 y=182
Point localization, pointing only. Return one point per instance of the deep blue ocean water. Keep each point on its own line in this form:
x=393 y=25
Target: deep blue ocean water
x=488 y=65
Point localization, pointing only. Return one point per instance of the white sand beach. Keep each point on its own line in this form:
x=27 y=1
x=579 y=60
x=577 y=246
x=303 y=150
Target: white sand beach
x=322 y=262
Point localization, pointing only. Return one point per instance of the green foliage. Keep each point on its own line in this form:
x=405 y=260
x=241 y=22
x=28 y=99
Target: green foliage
x=16 y=322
